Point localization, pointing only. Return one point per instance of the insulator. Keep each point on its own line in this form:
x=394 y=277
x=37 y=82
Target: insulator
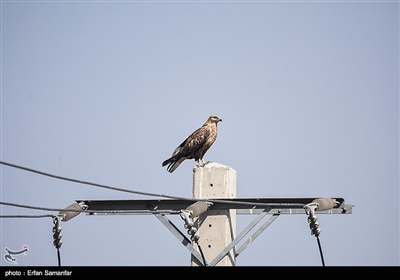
x=315 y=231
x=57 y=243
x=189 y=224
x=314 y=225
x=310 y=209
x=195 y=237
x=57 y=236
x=198 y=208
x=57 y=231
x=324 y=203
x=68 y=215
x=192 y=231
x=185 y=215
x=312 y=219
x=189 y=213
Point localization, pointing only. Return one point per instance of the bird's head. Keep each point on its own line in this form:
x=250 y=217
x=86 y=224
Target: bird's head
x=214 y=119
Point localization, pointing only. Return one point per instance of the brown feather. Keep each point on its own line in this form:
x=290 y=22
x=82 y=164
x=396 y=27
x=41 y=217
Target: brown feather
x=195 y=145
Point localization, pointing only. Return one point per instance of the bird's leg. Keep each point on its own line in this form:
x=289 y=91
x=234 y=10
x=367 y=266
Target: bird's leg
x=201 y=162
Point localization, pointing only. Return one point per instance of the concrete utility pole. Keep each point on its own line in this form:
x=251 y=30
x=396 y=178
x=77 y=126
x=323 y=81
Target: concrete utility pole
x=217 y=228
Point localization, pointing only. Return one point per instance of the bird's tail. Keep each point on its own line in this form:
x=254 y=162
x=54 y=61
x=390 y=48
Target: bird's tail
x=168 y=161
x=172 y=164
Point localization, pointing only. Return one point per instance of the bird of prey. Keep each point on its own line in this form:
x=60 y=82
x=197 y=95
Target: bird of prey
x=195 y=146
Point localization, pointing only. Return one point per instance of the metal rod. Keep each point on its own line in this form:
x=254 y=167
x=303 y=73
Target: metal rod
x=256 y=234
x=179 y=235
x=239 y=237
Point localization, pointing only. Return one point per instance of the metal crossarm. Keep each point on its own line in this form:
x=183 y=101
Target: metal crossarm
x=242 y=206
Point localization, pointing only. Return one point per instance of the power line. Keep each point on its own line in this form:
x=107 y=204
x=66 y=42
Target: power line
x=27 y=216
x=73 y=210
x=320 y=252
x=80 y=181
x=36 y=207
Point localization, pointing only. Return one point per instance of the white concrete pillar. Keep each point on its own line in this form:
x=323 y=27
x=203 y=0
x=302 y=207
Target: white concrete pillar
x=217 y=228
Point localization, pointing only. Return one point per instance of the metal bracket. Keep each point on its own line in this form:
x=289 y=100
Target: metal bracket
x=312 y=218
x=189 y=213
x=186 y=242
x=179 y=235
x=244 y=233
x=189 y=225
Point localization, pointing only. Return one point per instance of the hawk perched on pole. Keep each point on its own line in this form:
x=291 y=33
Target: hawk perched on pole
x=196 y=145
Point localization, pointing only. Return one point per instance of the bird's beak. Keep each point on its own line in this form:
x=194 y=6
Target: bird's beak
x=220 y=120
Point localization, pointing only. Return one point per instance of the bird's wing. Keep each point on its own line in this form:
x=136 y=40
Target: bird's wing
x=194 y=142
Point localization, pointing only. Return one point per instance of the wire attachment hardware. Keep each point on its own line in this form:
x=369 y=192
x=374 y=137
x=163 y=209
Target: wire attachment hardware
x=319 y=204
x=191 y=212
x=312 y=218
x=72 y=211
x=57 y=242
x=57 y=231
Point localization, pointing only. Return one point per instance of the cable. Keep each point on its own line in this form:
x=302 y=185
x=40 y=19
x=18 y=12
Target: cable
x=26 y=216
x=77 y=181
x=33 y=207
x=77 y=210
x=58 y=257
x=320 y=251
x=202 y=254
x=37 y=207
x=146 y=193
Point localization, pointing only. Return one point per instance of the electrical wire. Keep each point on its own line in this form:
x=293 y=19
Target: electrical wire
x=320 y=251
x=26 y=216
x=76 y=210
x=37 y=207
x=145 y=193
x=78 y=181
x=58 y=257
x=202 y=254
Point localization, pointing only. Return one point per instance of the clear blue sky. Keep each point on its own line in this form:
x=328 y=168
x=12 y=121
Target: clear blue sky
x=104 y=92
